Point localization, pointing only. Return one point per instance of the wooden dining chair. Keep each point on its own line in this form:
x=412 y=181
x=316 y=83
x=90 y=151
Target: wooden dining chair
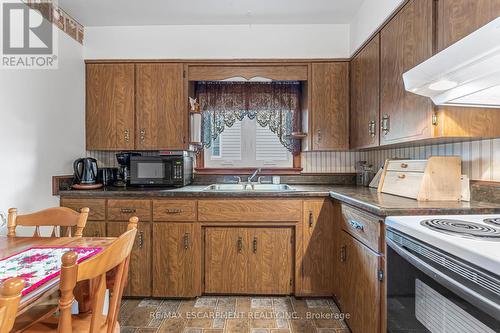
x=58 y=217
x=10 y=295
x=114 y=258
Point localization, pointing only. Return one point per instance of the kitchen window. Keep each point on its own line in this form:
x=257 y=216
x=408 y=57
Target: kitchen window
x=247 y=144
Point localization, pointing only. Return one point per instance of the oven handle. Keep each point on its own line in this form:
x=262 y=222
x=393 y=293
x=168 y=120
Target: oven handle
x=488 y=306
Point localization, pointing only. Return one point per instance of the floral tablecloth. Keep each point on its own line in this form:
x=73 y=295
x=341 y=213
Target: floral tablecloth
x=38 y=265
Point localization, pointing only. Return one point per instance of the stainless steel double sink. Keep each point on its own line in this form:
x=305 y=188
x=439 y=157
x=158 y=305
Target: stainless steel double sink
x=242 y=187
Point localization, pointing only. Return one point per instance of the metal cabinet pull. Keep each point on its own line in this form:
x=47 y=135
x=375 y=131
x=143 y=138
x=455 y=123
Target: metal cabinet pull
x=173 y=211
x=141 y=239
x=343 y=253
x=385 y=124
x=142 y=135
x=404 y=165
x=239 y=244
x=186 y=241
x=128 y=210
x=255 y=245
x=402 y=176
x=127 y=135
x=311 y=222
x=319 y=135
x=357 y=225
x=372 y=128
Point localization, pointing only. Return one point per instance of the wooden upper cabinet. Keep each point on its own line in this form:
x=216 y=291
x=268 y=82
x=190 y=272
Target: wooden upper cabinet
x=405 y=41
x=161 y=113
x=365 y=96
x=458 y=18
x=110 y=106
x=329 y=119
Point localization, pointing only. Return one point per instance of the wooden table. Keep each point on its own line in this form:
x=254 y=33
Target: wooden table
x=12 y=245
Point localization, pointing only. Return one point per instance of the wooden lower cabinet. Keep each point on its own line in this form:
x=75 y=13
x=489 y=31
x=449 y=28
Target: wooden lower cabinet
x=226 y=260
x=318 y=248
x=360 y=285
x=139 y=276
x=270 y=262
x=95 y=229
x=176 y=260
x=248 y=260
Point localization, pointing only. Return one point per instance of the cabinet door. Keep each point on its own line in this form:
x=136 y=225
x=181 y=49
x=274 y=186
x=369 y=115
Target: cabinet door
x=365 y=96
x=458 y=18
x=139 y=275
x=318 y=248
x=160 y=109
x=405 y=42
x=94 y=229
x=270 y=261
x=110 y=106
x=176 y=260
x=226 y=260
x=360 y=285
x=329 y=106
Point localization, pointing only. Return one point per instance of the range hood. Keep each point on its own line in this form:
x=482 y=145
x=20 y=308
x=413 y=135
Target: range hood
x=466 y=73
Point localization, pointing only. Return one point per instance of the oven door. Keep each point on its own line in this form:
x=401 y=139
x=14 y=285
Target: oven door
x=432 y=291
x=150 y=171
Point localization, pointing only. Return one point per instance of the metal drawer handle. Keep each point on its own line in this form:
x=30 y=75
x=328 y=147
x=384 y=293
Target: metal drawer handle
x=404 y=165
x=402 y=176
x=372 y=128
x=141 y=239
x=310 y=219
x=142 y=135
x=239 y=244
x=127 y=135
x=357 y=225
x=173 y=211
x=186 y=241
x=255 y=245
x=128 y=210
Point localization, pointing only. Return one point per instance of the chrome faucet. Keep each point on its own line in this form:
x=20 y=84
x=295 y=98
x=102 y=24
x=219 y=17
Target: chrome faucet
x=249 y=180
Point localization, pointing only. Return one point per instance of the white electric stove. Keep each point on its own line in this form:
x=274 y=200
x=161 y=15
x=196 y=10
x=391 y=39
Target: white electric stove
x=443 y=273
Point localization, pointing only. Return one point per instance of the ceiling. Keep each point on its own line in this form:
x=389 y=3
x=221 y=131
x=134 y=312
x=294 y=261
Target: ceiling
x=192 y=12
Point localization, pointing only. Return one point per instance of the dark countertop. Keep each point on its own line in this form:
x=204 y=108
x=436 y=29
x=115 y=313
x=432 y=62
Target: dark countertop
x=362 y=197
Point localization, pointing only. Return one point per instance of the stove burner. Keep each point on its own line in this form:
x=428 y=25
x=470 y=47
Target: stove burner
x=495 y=221
x=463 y=229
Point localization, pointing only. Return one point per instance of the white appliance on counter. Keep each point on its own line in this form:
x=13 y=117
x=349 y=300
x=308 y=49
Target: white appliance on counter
x=443 y=273
x=466 y=73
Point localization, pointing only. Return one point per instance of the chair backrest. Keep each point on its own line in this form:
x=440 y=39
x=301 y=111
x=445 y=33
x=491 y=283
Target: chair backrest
x=114 y=258
x=10 y=295
x=53 y=217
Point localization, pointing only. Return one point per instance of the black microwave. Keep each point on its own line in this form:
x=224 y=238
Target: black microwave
x=161 y=170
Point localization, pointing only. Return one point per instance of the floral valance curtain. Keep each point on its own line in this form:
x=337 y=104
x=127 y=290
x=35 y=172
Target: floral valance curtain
x=275 y=105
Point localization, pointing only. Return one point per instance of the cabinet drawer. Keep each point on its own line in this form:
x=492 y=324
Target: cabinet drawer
x=406 y=184
x=407 y=165
x=363 y=226
x=123 y=210
x=97 y=207
x=174 y=210
x=249 y=210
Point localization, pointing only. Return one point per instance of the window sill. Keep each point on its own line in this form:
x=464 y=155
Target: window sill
x=237 y=171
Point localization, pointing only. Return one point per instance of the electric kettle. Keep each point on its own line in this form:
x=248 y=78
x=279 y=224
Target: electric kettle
x=85 y=171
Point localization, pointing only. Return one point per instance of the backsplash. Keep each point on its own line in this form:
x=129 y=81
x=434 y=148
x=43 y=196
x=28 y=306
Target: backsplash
x=480 y=159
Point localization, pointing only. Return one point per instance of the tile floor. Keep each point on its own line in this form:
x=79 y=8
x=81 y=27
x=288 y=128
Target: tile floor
x=231 y=315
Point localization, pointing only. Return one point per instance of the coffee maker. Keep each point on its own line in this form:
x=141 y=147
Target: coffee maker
x=124 y=168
